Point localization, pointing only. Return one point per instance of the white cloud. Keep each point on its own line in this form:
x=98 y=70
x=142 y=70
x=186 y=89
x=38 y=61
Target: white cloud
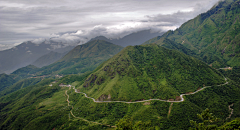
x=23 y=20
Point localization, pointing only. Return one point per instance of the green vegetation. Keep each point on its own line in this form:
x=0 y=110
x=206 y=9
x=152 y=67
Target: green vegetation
x=213 y=35
x=233 y=125
x=44 y=107
x=136 y=73
x=40 y=107
x=48 y=59
x=167 y=43
x=149 y=71
x=82 y=58
x=210 y=122
x=19 y=85
x=233 y=74
x=6 y=80
x=126 y=124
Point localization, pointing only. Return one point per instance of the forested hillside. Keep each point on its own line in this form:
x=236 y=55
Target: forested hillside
x=213 y=35
x=149 y=71
x=175 y=81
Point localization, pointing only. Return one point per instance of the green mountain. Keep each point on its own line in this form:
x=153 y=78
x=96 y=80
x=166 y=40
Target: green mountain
x=82 y=58
x=146 y=72
x=48 y=59
x=41 y=106
x=19 y=85
x=213 y=35
x=167 y=43
x=5 y=81
x=160 y=70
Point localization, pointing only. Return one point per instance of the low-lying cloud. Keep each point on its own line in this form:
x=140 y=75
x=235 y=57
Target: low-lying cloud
x=78 y=21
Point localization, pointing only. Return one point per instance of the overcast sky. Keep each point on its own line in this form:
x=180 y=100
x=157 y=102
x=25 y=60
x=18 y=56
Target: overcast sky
x=22 y=20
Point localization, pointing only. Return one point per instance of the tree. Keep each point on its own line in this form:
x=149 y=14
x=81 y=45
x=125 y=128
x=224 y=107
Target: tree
x=125 y=124
x=233 y=125
x=208 y=121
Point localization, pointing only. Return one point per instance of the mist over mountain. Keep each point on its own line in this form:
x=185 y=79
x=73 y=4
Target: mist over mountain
x=213 y=35
x=81 y=59
x=48 y=59
x=184 y=79
x=28 y=52
x=132 y=39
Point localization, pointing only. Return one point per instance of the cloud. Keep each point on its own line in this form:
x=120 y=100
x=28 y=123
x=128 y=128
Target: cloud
x=78 y=21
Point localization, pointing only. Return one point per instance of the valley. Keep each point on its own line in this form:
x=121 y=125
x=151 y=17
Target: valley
x=187 y=78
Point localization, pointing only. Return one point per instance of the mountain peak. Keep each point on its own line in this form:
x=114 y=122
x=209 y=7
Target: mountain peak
x=148 y=71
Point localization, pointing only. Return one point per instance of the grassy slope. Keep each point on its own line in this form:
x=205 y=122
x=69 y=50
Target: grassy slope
x=148 y=71
x=170 y=44
x=213 y=35
x=43 y=107
x=6 y=80
x=40 y=107
x=82 y=58
x=216 y=99
x=19 y=85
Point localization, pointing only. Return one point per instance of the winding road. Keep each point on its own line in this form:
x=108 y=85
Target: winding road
x=83 y=118
x=230 y=109
x=181 y=96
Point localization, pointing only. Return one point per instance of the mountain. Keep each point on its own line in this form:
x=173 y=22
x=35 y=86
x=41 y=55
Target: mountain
x=40 y=104
x=167 y=43
x=159 y=69
x=213 y=35
x=19 y=85
x=148 y=71
x=5 y=81
x=81 y=59
x=8 y=82
x=48 y=59
x=136 y=38
x=26 y=53
x=39 y=53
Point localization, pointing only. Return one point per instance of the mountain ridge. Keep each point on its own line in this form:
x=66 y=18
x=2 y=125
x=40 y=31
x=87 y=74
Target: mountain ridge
x=212 y=35
x=138 y=68
x=132 y=39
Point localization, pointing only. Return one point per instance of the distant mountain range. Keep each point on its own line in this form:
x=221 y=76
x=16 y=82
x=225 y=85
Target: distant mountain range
x=48 y=51
x=26 y=53
x=81 y=59
x=132 y=39
x=48 y=59
x=178 y=62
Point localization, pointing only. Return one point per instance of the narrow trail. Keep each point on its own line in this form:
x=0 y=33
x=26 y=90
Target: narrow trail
x=230 y=109
x=170 y=108
x=181 y=96
x=83 y=118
